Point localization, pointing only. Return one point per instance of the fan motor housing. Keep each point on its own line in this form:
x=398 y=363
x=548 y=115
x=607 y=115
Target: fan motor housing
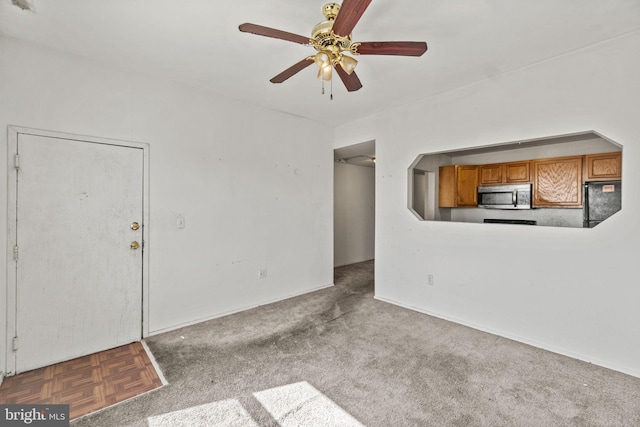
x=322 y=35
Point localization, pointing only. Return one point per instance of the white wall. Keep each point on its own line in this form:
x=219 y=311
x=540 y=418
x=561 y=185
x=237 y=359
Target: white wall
x=573 y=291
x=354 y=214
x=253 y=193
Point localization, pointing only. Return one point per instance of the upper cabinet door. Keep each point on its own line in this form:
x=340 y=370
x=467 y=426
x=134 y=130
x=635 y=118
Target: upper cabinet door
x=447 y=187
x=466 y=185
x=603 y=166
x=458 y=186
x=504 y=173
x=517 y=172
x=491 y=174
x=557 y=182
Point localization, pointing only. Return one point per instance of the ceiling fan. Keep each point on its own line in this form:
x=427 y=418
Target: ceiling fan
x=332 y=41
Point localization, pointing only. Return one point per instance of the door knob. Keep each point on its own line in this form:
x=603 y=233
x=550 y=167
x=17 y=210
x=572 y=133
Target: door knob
x=135 y=226
x=135 y=245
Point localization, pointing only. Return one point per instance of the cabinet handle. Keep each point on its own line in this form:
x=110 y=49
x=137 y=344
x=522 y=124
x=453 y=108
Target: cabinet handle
x=514 y=198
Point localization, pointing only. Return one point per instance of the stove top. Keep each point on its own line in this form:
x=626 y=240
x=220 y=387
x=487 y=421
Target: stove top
x=510 y=221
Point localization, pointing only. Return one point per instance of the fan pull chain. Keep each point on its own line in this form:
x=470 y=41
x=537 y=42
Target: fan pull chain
x=330 y=88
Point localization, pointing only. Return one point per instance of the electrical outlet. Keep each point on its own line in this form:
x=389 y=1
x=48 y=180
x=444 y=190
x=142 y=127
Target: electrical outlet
x=430 y=279
x=262 y=273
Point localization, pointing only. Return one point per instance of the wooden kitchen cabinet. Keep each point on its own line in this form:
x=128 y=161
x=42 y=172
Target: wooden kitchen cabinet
x=603 y=166
x=517 y=172
x=458 y=186
x=492 y=174
x=557 y=182
x=504 y=173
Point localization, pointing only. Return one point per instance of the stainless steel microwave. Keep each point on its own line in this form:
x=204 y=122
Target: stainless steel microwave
x=505 y=196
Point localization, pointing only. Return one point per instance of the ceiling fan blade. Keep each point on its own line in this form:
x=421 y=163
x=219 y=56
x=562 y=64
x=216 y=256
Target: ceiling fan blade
x=351 y=81
x=392 y=48
x=272 y=32
x=349 y=15
x=295 y=68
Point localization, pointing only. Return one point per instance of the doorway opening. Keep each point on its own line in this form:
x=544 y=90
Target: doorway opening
x=77 y=232
x=354 y=203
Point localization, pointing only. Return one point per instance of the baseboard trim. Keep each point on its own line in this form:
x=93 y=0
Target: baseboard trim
x=154 y=363
x=517 y=338
x=230 y=312
x=353 y=262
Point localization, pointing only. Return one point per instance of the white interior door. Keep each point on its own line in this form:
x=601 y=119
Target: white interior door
x=79 y=282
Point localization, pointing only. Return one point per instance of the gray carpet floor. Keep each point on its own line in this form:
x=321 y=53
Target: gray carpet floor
x=339 y=357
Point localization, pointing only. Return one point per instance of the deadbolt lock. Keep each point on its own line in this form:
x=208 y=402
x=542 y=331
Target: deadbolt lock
x=135 y=226
x=135 y=245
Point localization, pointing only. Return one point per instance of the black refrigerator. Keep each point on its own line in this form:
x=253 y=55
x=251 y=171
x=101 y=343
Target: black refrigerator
x=601 y=200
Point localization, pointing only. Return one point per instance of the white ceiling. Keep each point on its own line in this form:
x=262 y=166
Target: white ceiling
x=197 y=42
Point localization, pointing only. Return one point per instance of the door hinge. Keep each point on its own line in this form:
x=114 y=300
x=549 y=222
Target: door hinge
x=16 y=161
x=15 y=343
x=15 y=253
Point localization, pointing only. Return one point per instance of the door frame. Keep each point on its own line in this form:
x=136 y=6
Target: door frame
x=12 y=195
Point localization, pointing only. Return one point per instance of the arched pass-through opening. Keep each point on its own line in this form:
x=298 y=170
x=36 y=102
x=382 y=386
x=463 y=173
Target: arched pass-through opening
x=561 y=181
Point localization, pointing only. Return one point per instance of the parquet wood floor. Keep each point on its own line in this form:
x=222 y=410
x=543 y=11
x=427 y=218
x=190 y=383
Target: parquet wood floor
x=87 y=383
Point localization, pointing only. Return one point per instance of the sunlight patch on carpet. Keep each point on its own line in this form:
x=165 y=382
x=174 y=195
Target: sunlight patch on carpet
x=228 y=413
x=292 y=405
x=300 y=404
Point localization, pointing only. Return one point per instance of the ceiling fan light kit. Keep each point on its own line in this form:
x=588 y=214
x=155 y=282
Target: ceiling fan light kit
x=332 y=40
